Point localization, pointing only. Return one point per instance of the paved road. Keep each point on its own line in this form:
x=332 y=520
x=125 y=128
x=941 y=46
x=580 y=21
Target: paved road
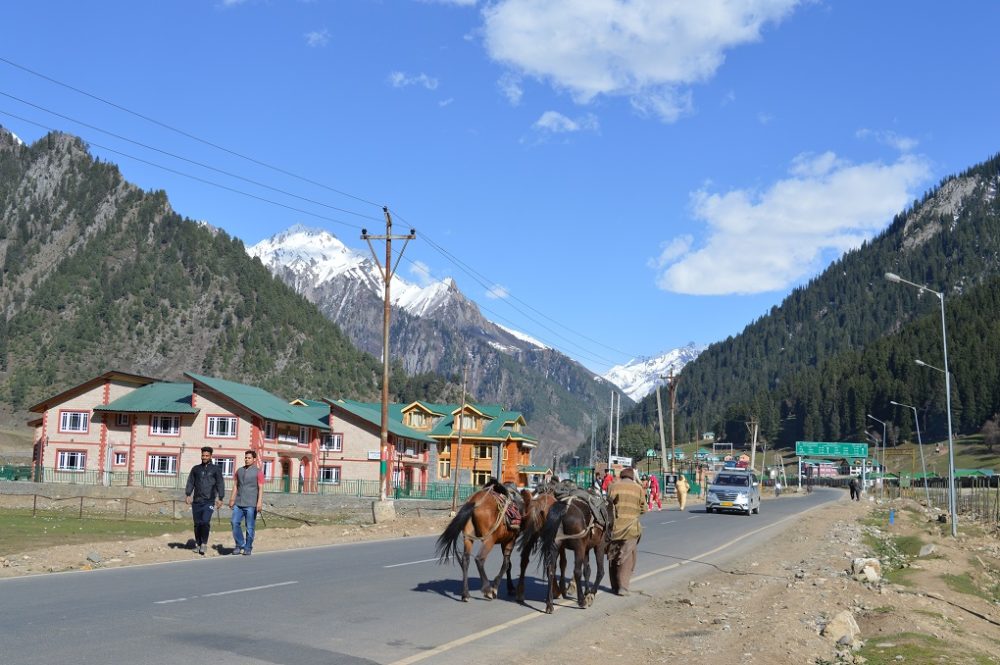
x=378 y=602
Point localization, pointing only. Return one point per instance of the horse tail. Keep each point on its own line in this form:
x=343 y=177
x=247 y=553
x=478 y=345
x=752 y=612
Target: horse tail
x=549 y=544
x=448 y=542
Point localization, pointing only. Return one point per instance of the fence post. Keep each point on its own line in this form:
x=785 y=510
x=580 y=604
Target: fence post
x=81 y=506
x=34 y=504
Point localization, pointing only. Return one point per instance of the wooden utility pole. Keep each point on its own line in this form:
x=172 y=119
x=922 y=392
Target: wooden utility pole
x=388 y=270
x=659 y=417
x=753 y=426
x=457 y=457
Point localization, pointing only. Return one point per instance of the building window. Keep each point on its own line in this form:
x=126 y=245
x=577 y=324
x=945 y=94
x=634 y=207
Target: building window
x=444 y=449
x=504 y=454
x=482 y=452
x=121 y=459
x=270 y=430
x=165 y=425
x=72 y=460
x=226 y=464
x=268 y=468
x=333 y=442
x=123 y=420
x=162 y=465
x=222 y=427
x=417 y=419
x=480 y=478
x=468 y=422
x=74 y=421
x=444 y=468
x=303 y=436
x=329 y=475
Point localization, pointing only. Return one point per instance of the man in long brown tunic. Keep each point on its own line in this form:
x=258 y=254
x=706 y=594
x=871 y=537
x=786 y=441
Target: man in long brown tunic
x=629 y=502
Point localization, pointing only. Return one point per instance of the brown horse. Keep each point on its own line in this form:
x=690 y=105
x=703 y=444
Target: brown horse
x=536 y=509
x=482 y=518
x=571 y=524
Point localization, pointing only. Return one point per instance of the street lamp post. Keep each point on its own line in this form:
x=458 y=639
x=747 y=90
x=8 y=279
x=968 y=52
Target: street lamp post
x=882 y=490
x=892 y=277
x=920 y=447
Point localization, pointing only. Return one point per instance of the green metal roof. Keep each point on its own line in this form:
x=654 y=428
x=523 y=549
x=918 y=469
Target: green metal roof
x=264 y=404
x=532 y=469
x=497 y=418
x=154 y=398
x=373 y=414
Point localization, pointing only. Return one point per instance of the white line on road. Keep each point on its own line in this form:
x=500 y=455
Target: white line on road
x=670 y=522
x=226 y=593
x=409 y=563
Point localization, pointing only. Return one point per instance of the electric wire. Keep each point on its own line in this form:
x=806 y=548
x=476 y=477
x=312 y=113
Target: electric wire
x=185 y=134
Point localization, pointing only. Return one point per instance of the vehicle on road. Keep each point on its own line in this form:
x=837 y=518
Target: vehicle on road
x=734 y=490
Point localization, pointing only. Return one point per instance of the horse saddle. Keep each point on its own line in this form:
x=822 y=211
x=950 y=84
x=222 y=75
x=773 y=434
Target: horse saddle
x=569 y=492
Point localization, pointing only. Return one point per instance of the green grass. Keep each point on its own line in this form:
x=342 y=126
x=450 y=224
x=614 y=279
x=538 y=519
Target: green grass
x=965 y=584
x=20 y=532
x=917 y=649
x=909 y=545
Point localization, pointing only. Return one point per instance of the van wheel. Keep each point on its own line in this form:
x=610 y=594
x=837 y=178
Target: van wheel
x=756 y=511
x=708 y=510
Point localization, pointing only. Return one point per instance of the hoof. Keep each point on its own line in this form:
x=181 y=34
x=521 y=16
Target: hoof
x=465 y=599
x=549 y=610
x=588 y=600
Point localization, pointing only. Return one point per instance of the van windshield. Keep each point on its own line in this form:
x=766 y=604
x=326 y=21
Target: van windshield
x=737 y=481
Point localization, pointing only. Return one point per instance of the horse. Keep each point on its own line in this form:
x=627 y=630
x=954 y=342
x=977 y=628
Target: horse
x=536 y=508
x=482 y=518
x=571 y=524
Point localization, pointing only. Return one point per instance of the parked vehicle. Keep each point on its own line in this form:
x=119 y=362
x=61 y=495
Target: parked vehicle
x=734 y=490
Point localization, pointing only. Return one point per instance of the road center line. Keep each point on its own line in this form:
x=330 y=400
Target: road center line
x=226 y=593
x=409 y=563
x=670 y=522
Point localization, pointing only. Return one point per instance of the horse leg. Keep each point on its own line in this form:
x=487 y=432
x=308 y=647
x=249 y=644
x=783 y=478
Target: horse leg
x=465 y=570
x=579 y=561
x=550 y=572
x=525 y=555
x=588 y=595
x=599 y=552
x=504 y=568
x=484 y=551
x=506 y=558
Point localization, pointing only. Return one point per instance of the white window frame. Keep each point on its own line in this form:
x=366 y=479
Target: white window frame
x=418 y=419
x=121 y=459
x=333 y=442
x=480 y=478
x=468 y=422
x=158 y=424
x=270 y=430
x=303 y=436
x=444 y=468
x=66 y=456
x=213 y=427
x=66 y=422
x=227 y=464
x=154 y=461
x=330 y=475
x=269 y=468
x=480 y=447
x=123 y=420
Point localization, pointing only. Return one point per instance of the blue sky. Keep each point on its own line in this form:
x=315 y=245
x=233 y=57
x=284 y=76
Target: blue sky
x=622 y=177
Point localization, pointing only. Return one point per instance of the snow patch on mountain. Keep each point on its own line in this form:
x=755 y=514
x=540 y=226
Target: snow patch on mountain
x=522 y=336
x=637 y=378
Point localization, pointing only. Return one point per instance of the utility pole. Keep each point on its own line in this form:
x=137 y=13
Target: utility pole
x=672 y=392
x=457 y=457
x=611 y=428
x=659 y=417
x=388 y=270
x=752 y=426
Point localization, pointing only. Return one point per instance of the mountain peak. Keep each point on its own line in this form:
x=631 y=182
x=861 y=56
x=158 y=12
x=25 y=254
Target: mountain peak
x=639 y=376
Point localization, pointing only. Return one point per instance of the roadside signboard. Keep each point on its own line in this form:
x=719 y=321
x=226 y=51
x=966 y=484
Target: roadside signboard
x=821 y=449
x=621 y=461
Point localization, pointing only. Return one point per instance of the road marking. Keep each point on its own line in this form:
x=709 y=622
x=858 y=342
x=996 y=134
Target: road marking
x=670 y=522
x=409 y=563
x=226 y=593
x=448 y=646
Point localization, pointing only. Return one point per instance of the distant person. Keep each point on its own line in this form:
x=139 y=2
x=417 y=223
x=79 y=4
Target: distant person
x=855 y=488
x=204 y=493
x=654 y=492
x=683 y=487
x=609 y=477
x=246 y=502
x=777 y=487
x=627 y=500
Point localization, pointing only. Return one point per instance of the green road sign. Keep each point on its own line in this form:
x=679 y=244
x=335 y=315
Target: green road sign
x=820 y=449
x=650 y=453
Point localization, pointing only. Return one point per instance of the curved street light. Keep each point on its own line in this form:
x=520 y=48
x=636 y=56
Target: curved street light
x=920 y=447
x=893 y=277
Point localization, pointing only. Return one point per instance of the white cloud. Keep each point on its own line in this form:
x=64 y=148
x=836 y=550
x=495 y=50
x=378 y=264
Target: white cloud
x=889 y=138
x=232 y=3
x=421 y=273
x=557 y=123
x=446 y=102
x=647 y=50
x=497 y=292
x=510 y=86
x=458 y=3
x=769 y=240
x=402 y=80
x=318 y=38
x=671 y=251
x=764 y=118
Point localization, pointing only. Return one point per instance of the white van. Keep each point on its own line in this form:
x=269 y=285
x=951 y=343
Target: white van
x=734 y=489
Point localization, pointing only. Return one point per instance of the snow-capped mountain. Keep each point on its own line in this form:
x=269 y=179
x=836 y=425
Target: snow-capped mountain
x=435 y=328
x=637 y=378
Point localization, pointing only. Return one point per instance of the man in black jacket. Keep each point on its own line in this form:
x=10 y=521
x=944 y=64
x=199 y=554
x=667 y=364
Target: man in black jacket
x=204 y=492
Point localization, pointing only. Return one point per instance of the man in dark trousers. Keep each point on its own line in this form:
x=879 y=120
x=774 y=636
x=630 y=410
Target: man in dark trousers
x=855 y=488
x=246 y=502
x=204 y=493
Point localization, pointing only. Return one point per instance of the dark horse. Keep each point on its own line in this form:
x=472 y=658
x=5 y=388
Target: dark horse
x=481 y=518
x=571 y=524
x=536 y=509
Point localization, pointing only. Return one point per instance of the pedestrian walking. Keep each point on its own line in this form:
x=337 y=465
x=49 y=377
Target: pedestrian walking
x=626 y=498
x=609 y=477
x=777 y=487
x=246 y=502
x=855 y=488
x=204 y=493
x=683 y=487
x=654 y=493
